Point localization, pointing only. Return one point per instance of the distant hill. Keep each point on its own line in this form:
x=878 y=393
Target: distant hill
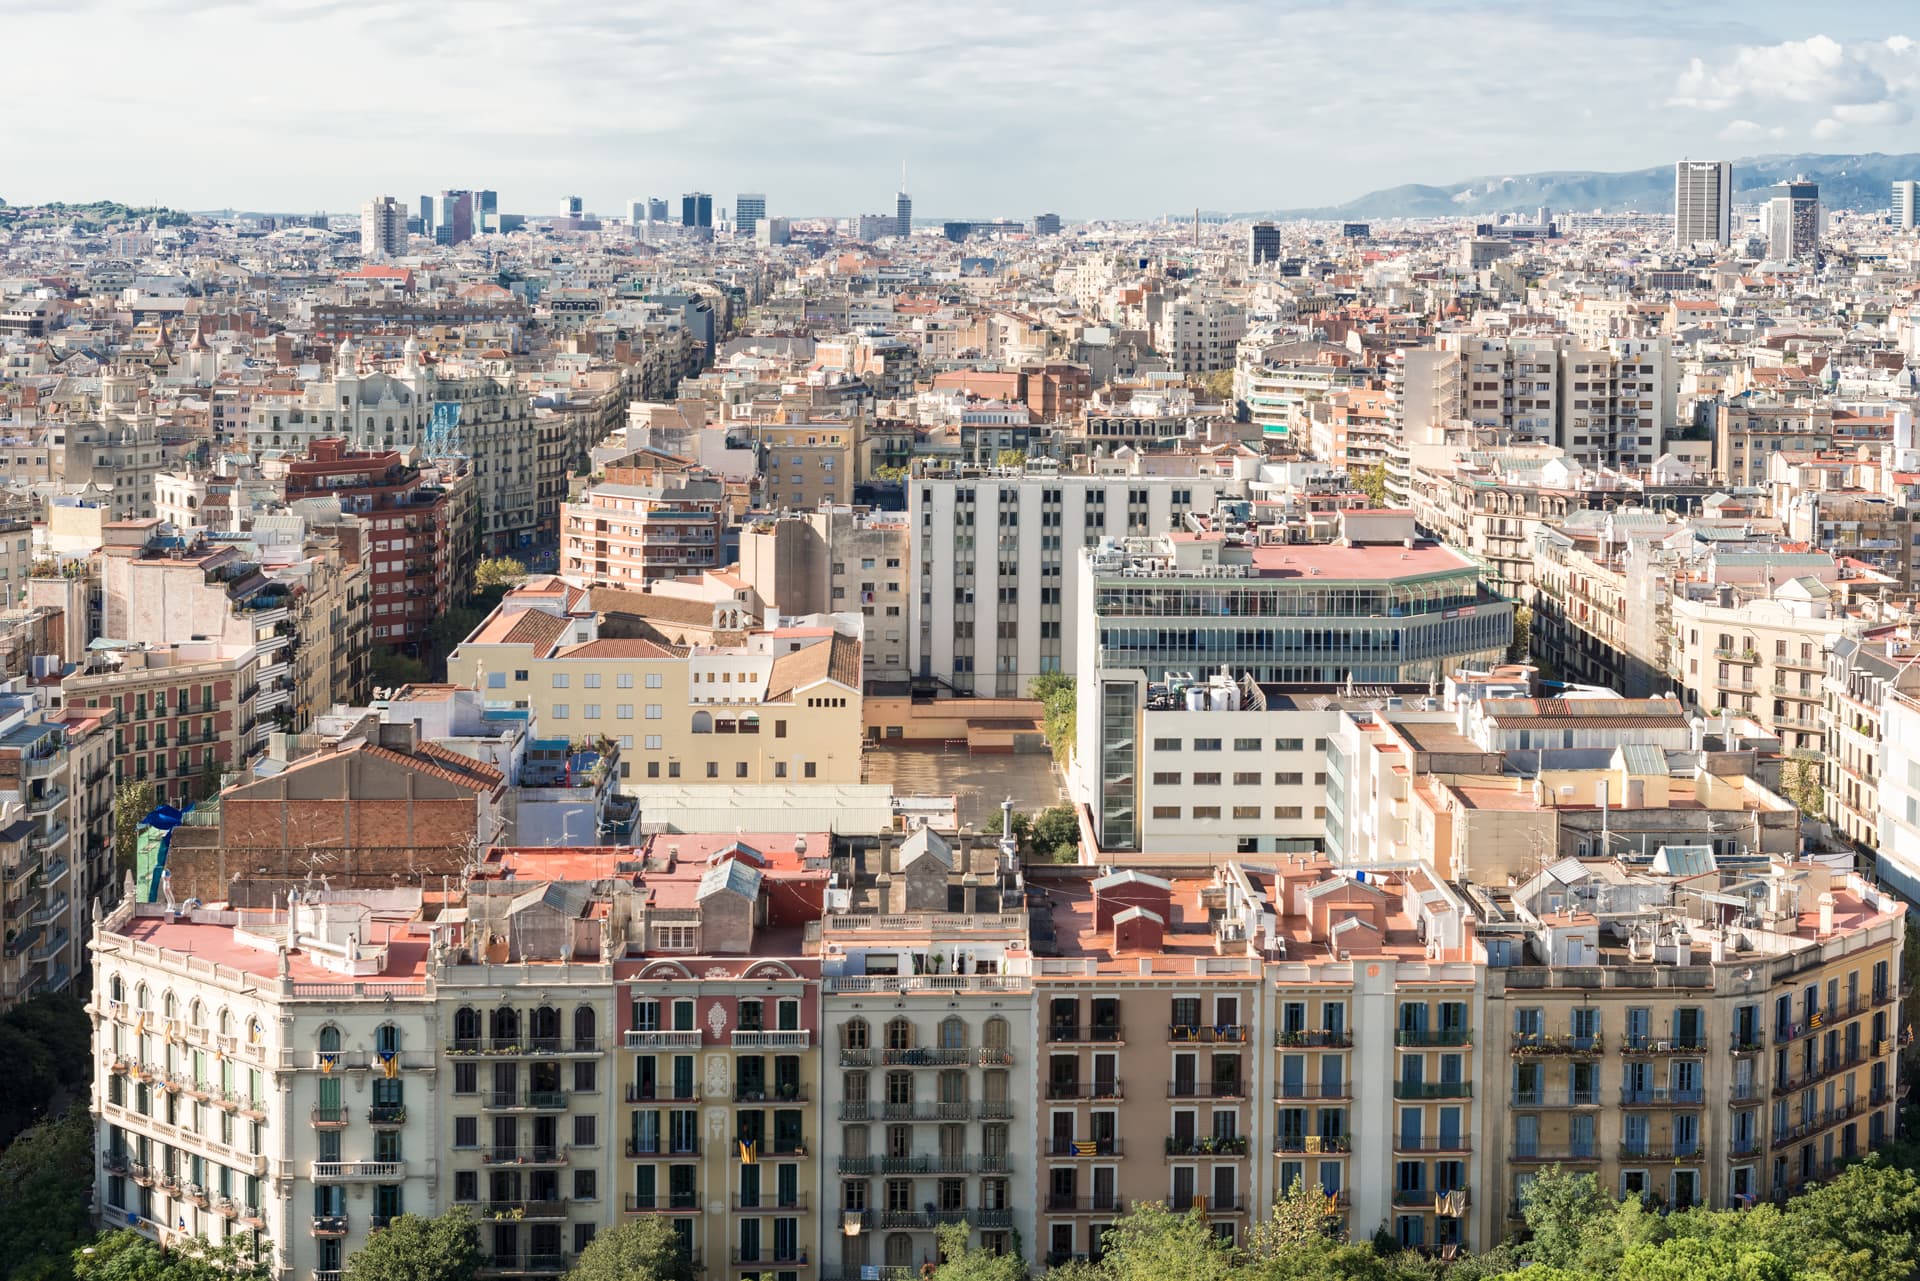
x=1846 y=182
x=92 y=215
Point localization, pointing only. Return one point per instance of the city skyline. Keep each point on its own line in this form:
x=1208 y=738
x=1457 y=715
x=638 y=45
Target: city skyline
x=1595 y=85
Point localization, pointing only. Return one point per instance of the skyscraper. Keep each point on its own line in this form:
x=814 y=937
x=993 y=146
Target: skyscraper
x=656 y=209
x=1702 y=202
x=426 y=215
x=696 y=211
x=383 y=228
x=454 y=226
x=486 y=211
x=902 y=214
x=571 y=206
x=749 y=207
x=1046 y=224
x=1263 y=243
x=1906 y=202
x=1793 y=221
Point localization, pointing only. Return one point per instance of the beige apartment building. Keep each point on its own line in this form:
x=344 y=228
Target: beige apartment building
x=1760 y=656
x=807 y=464
x=781 y=706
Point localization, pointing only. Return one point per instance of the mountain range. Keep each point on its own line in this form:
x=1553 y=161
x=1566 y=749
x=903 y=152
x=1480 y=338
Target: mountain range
x=1846 y=182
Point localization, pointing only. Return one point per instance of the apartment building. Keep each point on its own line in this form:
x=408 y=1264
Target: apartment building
x=999 y=601
x=651 y=518
x=90 y=778
x=1748 y=433
x=777 y=706
x=929 y=1034
x=1616 y=402
x=1727 y=1035
x=417 y=547
x=1739 y=649
x=183 y=714
x=1586 y=609
x=803 y=465
x=1862 y=674
x=43 y=863
x=1199 y=335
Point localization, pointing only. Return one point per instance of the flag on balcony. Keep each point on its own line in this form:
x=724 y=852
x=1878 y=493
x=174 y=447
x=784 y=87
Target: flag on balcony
x=749 y=1151
x=326 y=1063
x=851 y=1225
x=140 y=1024
x=390 y=1066
x=1086 y=1147
x=1312 y=1143
x=1200 y=1206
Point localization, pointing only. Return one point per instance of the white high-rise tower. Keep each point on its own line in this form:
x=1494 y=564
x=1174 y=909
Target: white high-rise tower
x=1702 y=202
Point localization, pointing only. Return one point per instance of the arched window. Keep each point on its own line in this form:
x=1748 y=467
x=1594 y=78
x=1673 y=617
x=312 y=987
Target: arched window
x=141 y=998
x=856 y=1035
x=899 y=1250
x=506 y=1027
x=466 y=1025
x=386 y=1039
x=996 y=1034
x=583 y=1028
x=953 y=1033
x=329 y=1039
x=226 y=1022
x=899 y=1034
x=196 y=1015
x=544 y=1027
x=702 y=723
x=116 y=990
x=168 y=1007
x=253 y=1032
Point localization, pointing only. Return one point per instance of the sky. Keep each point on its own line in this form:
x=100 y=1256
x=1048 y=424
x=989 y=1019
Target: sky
x=1090 y=108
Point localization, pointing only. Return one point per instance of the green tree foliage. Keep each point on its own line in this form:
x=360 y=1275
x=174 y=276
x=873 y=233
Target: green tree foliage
x=46 y=1175
x=1056 y=834
x=1800 y=783
x=1022 y=825
x=46 y=1044
x=133 y=802
x=1219 y=385
x=501 y=572
x=1301 y=1216
x=1561 y=1208
x=1520 y=648
x=962 y=1262
x=645 y=1249
x=1056 y=692
x=392 y=669
x=1371 y=481
x=412 y=1248
x=1153 y=1243
x=128 y=1256
x=1011 y=458
x=1863 y=1223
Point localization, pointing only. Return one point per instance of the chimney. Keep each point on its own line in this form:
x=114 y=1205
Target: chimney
x=1826 y=913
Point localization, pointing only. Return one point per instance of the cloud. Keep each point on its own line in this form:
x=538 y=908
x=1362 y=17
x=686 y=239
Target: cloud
x=1845 y=87
x=1751 y=131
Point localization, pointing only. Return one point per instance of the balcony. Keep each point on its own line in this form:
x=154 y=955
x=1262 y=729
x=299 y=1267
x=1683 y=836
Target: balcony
x=524 y=1264
x=330 y=1225
x=1188 y=1034
x=1642 y=1043
x=1433 y=1038
x=936 y=1056
x=526 y=1101
x=1415 y=1090
x=387 y=1114
x=1539 y=1043
x=1661 y=1096
x=658 y=1040
x=1540 y=1155
x=329 y=1118
x=1114 y=1205
x=681 y=1202
x=1428 y=1199
x=1322 y=1040
x=1643 y=1151
x=1336 y=1144
x=928 y=1220
x=766 y=1258
x=1431 y=1143
x=1086 y=1149
x=359 y=1171
x=1066 y=1091
x=930 y=1163
x=952 y=1110
x=1289 y=1091
x=542 y=1154
x=525 y=1210
x=1206 y=1090
x=1206 y=1145
x=787 y=1093
x=659 y=1147
x=772 y=1040
x=1097 y=1034
x=761 y=1205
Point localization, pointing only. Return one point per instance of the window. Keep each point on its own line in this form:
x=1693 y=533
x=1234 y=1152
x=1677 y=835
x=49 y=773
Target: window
x=1246 y=778
x=1246 y=744
x=654 y=712
x=1206 y=779
x=1206 y=811
x=1206 y=744
x=1296 y=744
x=1166 y=744
x=654 y=680
x=1288 y=780
x=562 y=711
x=593 y=680
x=592 y=711
x=560 y=680
x=624 y=680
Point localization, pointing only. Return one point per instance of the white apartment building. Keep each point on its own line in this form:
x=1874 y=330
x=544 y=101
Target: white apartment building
x=1200 y=335
x=1702 y=203
x=383 y=228
x=994 y=551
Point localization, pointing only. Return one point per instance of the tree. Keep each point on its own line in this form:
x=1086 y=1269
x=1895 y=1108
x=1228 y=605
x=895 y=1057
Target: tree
x=1152 y=1243
x=960 y=1261
x=645 y=1249
x=1560 y=1208
x=412 y=1248
x=498 y=572
x=1800 y=783
x=1701 y=1259
x=1022 y=825
x=46 y=1175
x=392 y=669
x=1012 y=459
x=1862 y=1223
x=46 y=1043
x=133 y=802
x=1219 y=385
x=1056 y=833
x=1058 y=696
x=127 y=1256
x=1520 y=648
x=1300 y=1215
x=1372 y=482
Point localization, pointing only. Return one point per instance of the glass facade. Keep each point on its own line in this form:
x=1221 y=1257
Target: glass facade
x=1119 y=770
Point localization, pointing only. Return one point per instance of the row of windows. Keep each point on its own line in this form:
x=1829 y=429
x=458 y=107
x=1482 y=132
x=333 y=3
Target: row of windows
x=1239 y=744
